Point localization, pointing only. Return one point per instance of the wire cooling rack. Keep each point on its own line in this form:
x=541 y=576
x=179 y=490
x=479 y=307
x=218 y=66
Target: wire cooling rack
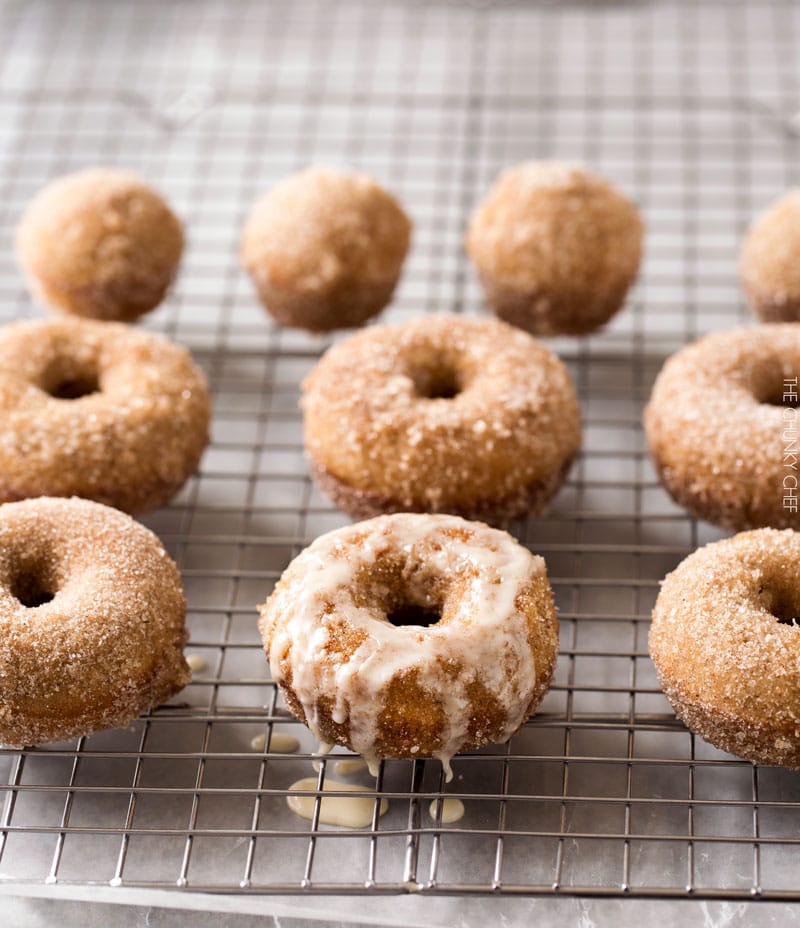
x=690 y=107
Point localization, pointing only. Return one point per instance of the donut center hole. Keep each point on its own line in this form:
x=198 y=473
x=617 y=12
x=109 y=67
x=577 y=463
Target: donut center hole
x=786 y=400
x=772 y=389
x=70 y=378
x=437 y=383
x=785 y=612
x=32 y=589
x=73 y=388
x=412 y=614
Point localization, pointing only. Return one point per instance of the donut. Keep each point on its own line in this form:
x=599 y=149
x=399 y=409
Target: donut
x=99 y=243
x=441 y=414
x=98 y=410
x=412 y=636
x=92 y=626
x=556 y=248
x=724 y=640
x=719 y=431
x=325 y=249
x=769 y=263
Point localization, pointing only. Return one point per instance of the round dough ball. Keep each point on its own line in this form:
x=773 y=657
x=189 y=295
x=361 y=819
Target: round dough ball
x=556 y=248
x=325 y=249
x=769 y=264
x=100 y=243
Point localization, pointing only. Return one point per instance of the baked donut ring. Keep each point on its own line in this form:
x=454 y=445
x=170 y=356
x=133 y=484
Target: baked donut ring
x=92 y=627
x=717 y=426
x=726 y=645
x=441 y=414
x=98 y=410
x=412 y=636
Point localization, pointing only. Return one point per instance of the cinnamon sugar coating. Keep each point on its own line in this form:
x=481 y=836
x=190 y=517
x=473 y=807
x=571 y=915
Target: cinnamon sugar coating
x=91 y=620
x=100 y=243
x=556 y=248
x=718 y=430
x=325 y=248
x=769 y=264
x=441 y=414
x=726 y=645
x=358 y=676
x=98 y=410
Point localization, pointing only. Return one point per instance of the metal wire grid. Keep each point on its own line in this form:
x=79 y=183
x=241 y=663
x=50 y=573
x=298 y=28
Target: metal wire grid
x=689 y=107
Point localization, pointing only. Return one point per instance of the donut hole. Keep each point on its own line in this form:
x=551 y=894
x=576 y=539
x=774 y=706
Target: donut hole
x=74 y=389
x=772 y=387
x=437 y=382
x=401 y=593
x=785 y=612
x=70 y=379
x=413 y=614
x=781 y=602
x=32 y=586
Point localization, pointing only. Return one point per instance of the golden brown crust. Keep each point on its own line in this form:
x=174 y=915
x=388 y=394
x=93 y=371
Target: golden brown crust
x=100 y=243
x=356 y=679
x=727 y=649
x=546 y=313
x=769 y=263
x=108 y=643
x=131 y=444
x=325 y=248
x=360 y=504
x=716 y=426
x=349 y=305
x=502 y=444
x=556 y=248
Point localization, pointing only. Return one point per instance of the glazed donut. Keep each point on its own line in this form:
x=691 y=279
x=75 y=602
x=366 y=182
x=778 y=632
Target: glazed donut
x=92 y=620
x=556 y=248
x=441 y=414
x=769 y=264
x=98 y=410
x=100 y=243
x=325 y=248
x=724 y=641
x=412 y=636
x=717 y=426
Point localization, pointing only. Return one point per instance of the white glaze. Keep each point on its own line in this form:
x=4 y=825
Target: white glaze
x=485 y=632
x=349 y=766
x=335 y=810
x=196 y=662
x=452 y=810
x=279 y=743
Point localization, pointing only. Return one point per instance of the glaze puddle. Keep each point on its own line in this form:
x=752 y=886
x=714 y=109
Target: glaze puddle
x=355 y=812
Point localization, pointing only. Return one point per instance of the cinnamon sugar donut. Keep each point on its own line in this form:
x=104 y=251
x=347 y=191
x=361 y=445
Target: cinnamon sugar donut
x=718 y=426
x=556 y=248
x=98 y=410
x=769 y=264
x=412 y=636
x=325 y=248
x=726 y=645
x=100 y=243
x=441 y=414
x=92 y=625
